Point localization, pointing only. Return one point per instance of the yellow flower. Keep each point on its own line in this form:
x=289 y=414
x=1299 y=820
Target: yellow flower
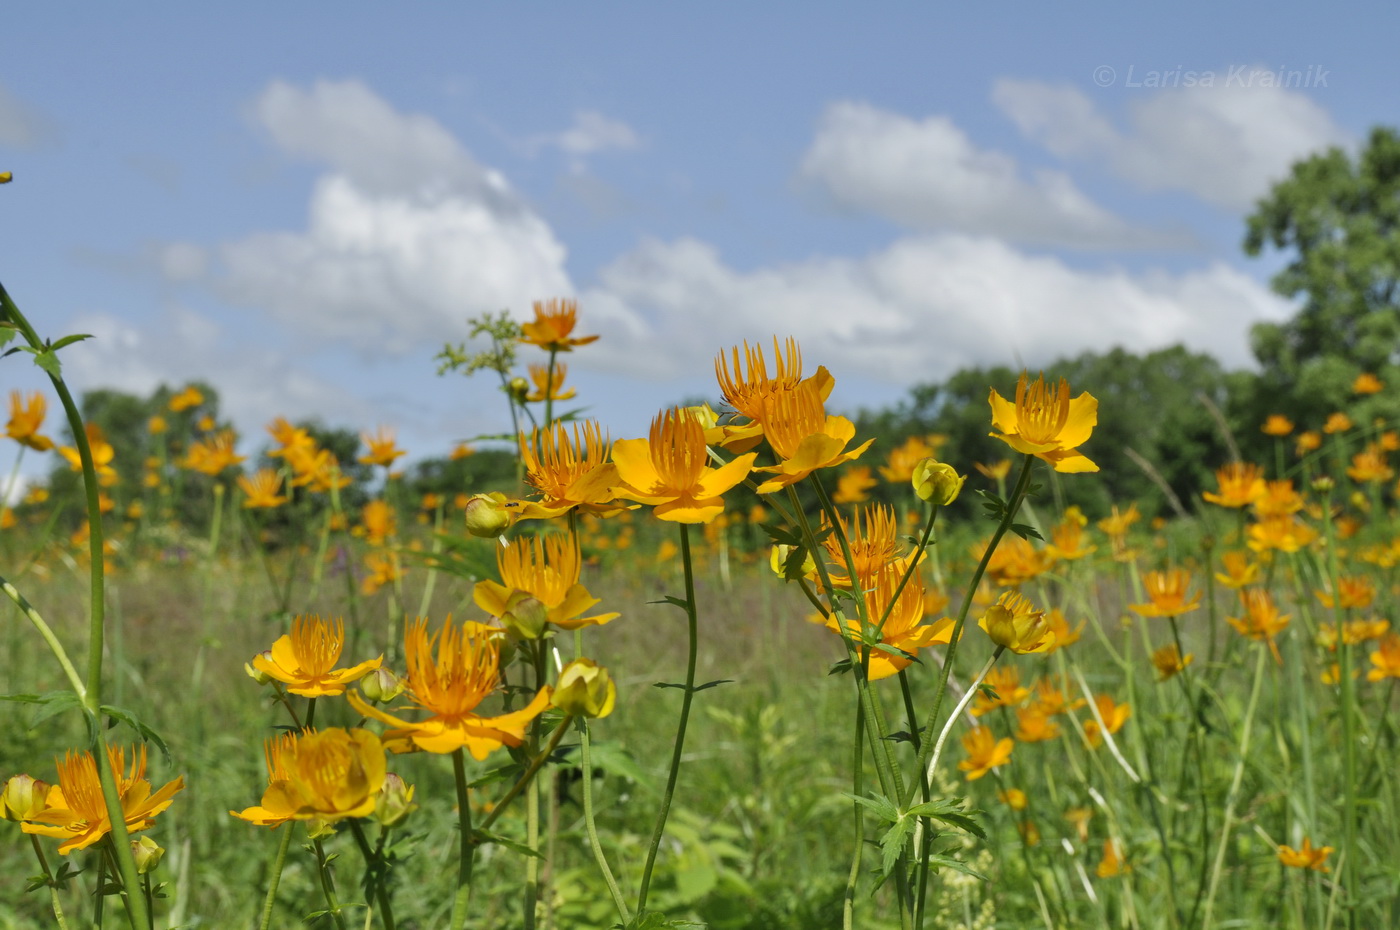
x=1005 y=681
x=1239 y=570
x=804 y=436
x=852 y=485
x=547 y=388
x=1241 y=484
x=551 y=328
x=1337 y=423
x=1356 y=591
x=903 y=628
x=461 y=450
x=1277 y=425
x=1033 y=725
x=1370 y=465
x=26 y=416
x=102 y=455
x=1060 y=629
x=669 y=471
x=872 y=538
x=489 y=515
x=1309 y=441
x=212 y=456
x=568 y=474
x=382 y=447
x=1261 y=618
x=547 y=570
x=984 y=752
x=450 y=685
x=323 y=776
x=749 y=388
x=1046 y=423
x=75 y=811
x=1067 y=537
x=902 y=460
x=381 y=568
x=997 y=471
x=1167 y=594
x=585 y=689
x=1367 y=383
x=937 y=481
x=1014 y=622
x=1111 y=863
x=1306 y=857
x=1169 y=661
x=378 y=522
x=189 y=397
x=1386 y=659
x=1114 y=716
x=24 y=797
x=305 y=660
x=1013 y=798
x=262 y=489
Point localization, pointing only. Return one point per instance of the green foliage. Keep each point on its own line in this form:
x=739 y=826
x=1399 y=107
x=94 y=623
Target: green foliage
x=1338 y=218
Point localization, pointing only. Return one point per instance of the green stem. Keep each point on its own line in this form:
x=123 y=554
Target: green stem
x=590 y=824
x=536 y=764
x=466 y=851
x=323 y=869
x=848 y=905
x=48 y=880
x=692 y=627
x=270 y=899
x=32 y=615
x=374 y=864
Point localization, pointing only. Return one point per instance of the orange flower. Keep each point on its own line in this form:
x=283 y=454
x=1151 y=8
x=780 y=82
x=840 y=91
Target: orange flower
x=1279 y=498
x=305 y=660
x=1356 y=591
x=1114 y=716
x=1167 y=594
x=549 y=387
x=852 y=485
x=903 y=628
x=382 y=448
x=322 y=776
x=1306 y=857
x=568 y=474
x=1169 y=661
x=1239 y=570
x=670 y=472
x=451 y=685
x=1014 y=623
x=1059 y=627
x=102 y=455
x=212 y=456
x=1111 y=864
x=75 y=810
x=873 y=540
x=899 y=466
x=1367 y=383
x=1261 y=618
x=1370 y=465
x=997 y=471
x=1309 y=441
x=749 y=388
x=262 y=489
x=1277 y=425
x=378 y=522
x=804 y=436
x=547 y=571
x=984 y=752
x=1067 y=537
x=186 y=399
x=1337 y=423
x=553 y=323
x=1005 y=683
x=1033 y=725
x=1016 y=561
x=25 y=419
x=1046 y=423
x=1284 y=533
x=1241 y=483
x=1386 y=659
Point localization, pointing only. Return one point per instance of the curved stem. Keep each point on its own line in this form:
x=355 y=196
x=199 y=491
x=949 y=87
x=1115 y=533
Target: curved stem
x=270 y=899
x=53 y=889
x=590 y=824
x=375 y=864
x=323 y=869
x=32 y=615
x=679 y=747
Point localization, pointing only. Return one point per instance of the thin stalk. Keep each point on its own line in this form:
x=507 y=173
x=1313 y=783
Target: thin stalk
x=848 y=904
x=693 y=629
x=466 y=850
x=280 y=860
x=32 y=615
x=323 y=870
x=48 y=876
x=374 y=863
x=591 y=825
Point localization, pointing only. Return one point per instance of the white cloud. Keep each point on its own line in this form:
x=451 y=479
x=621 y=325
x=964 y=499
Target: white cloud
x=914 y=312
x=928 y=175
x=406 y=237
x=21 y=126
x=1224 y=143
x=593 y=132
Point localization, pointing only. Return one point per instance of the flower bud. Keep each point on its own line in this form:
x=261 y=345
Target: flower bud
x=395 y=801
x=147 y=853
x=526 y=616
x=381 y=686
x=258 y=675
x=585 y=689
x=6 y=177
x=23 y=798
x=937 y=481
x=487 y=515
x=1013 y=622
x=518 y=389
x=1323 y=483
x=779 y=558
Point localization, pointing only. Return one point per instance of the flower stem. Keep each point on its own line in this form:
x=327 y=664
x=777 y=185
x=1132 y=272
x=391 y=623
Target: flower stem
x=466 y=851
x=591 y=825
x=270 y=899
x=679 y=748
x=323 y=869
x=374 y=863
x=48 y=876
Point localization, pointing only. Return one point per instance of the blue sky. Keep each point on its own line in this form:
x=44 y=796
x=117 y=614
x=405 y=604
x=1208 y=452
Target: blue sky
x=302 y=203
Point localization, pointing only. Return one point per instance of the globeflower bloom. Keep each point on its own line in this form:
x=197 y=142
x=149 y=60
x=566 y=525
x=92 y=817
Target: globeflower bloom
x=212 y=456
x=1367 y=383
x=262 y=490
x=1276 y=424
x=547 y=386
x=75 y=811
x=186 y=399
x=566 y=473
x=1114 y=716
x=1167 y=594
x=1240 y=483
x=1169 y=661
x=1046 y=423
x=903 y=628
x=1355 y=591
x=324 y=776
x=804 y=436
x=305 y=659
x=449 y=674
x=1306 y=857
x=1261 y=618
x=545 y=570
x=382 y=446
x=553 y=326
x=26 y=417
x=984 y=752
x=669 y=471
x=1014 y=623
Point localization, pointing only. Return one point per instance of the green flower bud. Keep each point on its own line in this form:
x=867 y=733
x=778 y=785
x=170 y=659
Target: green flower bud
x=258 y=675
x=381 y=686
x=395 y=801
x=937 y=481
x=525 y=617
x=488 y=516
x=519 y=389
x=23 y=798
x=585 y=689
x=147 y=854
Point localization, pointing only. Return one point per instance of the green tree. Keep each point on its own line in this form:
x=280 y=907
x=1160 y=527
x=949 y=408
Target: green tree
x=1338 y=216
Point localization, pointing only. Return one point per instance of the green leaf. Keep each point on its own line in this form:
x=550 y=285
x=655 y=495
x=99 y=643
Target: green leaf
x=49 y=362
x=1025 y=532
x=68 y=341
x=840 y=668
x=956 y=865
x=497 y=774
x=892 y=843
x=47 y=705
x=881 y=806
x=695 y=690
x=782 y=535
x=482 y=837
x=674 y=602
x=651 y=920
x=7 y=332
x=950 y=811
x=122 y=715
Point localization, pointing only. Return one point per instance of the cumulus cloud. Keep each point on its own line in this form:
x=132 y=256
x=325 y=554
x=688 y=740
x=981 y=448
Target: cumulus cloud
x=406 y=236
x=927 y=174
x=591 y=132
x=916 y=311
x=1224 y=143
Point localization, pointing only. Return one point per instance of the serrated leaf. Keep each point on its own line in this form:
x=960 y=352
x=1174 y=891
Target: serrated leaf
x=900 y=736
x=149 y=735
x=49 y=362
x=495 y=775
x=620 y=762
x=840 y=668
x=950 y=811
x=792 y=565
x=782 y=535
x=1026 y=532
x=956 y=865
x=892 y=843
x=52 y=704
x=882 y=807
